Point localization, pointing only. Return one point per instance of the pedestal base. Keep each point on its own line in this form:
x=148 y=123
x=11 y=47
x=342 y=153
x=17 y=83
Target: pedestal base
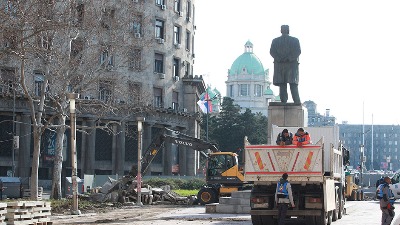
x=285 y=115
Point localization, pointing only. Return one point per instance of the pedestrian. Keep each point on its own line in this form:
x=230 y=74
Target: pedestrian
x=284 y=138
x=301 y=138
x=283 y=197
x=286 y=51
x=386 y=201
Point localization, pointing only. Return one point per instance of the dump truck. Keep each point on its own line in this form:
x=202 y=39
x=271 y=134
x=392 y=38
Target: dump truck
x=315 y=172
x=223 y=175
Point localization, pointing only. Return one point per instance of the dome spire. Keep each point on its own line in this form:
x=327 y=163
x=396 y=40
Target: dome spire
x=248 y=47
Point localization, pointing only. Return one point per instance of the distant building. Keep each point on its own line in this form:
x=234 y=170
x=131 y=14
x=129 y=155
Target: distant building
x=248 y=83
x=382 y=140
x=384 y=147
x=315 y=119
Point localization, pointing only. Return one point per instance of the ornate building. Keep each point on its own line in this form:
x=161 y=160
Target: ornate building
x=248 y=83
x=141 y=54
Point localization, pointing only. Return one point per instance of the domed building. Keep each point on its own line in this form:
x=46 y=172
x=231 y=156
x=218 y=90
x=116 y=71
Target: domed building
x=248 y=83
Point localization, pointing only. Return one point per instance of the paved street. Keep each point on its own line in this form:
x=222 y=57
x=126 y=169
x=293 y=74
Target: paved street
x=364 y=212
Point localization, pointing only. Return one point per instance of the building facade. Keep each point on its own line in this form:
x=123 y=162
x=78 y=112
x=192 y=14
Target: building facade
x=248 y=83
x=135 y=57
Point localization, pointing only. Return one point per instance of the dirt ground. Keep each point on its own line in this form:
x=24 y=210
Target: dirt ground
x=124 y=215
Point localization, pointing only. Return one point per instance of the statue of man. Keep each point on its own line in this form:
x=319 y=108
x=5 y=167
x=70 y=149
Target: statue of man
x=286 y=51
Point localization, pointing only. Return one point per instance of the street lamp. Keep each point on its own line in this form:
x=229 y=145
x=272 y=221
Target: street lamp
x=72 y=97
x=140 y=121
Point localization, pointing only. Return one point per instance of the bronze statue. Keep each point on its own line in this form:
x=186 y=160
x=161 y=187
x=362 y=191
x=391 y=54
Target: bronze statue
x=286 y=51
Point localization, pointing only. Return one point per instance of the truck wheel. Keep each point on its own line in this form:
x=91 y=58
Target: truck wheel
x=207 y=196
x=256 y=220
x=341 y=209
x=335 y=214
x=261 y=220
x=329 y=221
x=325 y=218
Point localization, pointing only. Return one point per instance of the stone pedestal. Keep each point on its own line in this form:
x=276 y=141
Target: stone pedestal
x=285 y=115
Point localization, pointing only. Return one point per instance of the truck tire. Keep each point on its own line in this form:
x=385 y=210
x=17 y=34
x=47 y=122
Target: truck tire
x=335 y=213
x=324 y=219
x=329 y=219
x=207 y=196
x=261 y=220
x=341 y=209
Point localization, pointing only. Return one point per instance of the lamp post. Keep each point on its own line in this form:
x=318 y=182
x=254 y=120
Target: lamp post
x=140 y=121
x=72 y=97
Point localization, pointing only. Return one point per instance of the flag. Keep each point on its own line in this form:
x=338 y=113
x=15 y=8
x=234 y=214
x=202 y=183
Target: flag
x=205 y=103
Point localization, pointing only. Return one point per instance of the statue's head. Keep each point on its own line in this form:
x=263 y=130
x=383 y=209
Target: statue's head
x=285 y=29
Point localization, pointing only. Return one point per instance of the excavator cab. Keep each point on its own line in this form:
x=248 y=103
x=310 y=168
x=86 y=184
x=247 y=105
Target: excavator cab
x=223 y=167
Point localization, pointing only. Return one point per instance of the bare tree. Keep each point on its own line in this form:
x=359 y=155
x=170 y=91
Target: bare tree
x=70 y=47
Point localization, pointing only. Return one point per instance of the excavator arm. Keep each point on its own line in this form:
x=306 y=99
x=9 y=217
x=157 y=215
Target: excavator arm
x=175 y=137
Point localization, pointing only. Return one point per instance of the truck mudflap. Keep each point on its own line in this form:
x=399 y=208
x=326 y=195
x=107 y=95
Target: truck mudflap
x=267 y=163
x=294 y=212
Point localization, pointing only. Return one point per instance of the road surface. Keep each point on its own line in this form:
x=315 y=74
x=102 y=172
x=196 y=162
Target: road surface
x=357 y=212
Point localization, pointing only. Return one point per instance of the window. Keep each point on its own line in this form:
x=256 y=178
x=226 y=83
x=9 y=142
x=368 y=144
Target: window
x=177 y=35
x=106 y=58
x=45 y=40
x=188 y=10
x=177 y=6
x=175 y=99
x=76 y=49
x=9 y=8
x=160 y=2
x=80 y=13
x=231 y=91
x=244 y=90
x=135 y=90
x=188 y=40
x=258 y=90
x=9 y=39
x=158 y=63
x=187 y=69
x=105 y=90
x=7 y=78
x=136 y=62
x=175 y=69
x=107 y=18
x=137 y=25
x=158 y=101
x=39 y=81
x=159 y=29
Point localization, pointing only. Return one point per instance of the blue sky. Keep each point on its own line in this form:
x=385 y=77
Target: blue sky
x=350 y=50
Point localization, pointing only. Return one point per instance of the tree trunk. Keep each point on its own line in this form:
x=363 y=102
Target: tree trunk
x=35 y=163
x=58 y=160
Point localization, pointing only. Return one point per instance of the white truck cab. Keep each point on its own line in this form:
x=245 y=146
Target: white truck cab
x=395 y=186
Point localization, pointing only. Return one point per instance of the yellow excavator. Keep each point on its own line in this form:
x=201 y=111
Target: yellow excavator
x=223 y=175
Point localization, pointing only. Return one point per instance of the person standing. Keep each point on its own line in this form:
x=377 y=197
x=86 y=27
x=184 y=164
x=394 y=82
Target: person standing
x=386 y=202
x=283 y=197
x=301 y=138
x=286 y=51
x=284 y=138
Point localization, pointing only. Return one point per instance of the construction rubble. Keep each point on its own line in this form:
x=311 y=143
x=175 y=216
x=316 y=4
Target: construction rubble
x=124 y=190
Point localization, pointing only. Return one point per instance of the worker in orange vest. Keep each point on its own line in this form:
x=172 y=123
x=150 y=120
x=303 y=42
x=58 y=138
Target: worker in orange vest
x=301 y=138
